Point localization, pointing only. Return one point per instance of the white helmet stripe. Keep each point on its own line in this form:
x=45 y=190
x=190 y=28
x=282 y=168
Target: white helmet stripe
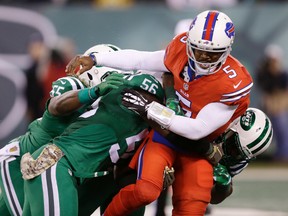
x=74 y=82
x=209 y=25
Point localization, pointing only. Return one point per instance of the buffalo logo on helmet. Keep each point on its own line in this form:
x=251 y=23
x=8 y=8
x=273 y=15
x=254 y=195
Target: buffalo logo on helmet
x=192 y=23
x=230 y=29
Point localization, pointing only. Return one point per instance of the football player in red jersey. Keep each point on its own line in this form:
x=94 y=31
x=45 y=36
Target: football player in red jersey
x=213 y=89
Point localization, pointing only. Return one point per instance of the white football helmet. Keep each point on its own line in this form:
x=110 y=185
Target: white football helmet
x=210 y=31
x=97 y=74
x=248 y=136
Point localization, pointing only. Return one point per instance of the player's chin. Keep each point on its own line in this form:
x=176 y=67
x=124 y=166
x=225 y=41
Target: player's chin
x=204 y=66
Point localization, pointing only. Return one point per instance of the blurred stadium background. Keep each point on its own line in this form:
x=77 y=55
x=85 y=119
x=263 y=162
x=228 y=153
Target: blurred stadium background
x=145 y=25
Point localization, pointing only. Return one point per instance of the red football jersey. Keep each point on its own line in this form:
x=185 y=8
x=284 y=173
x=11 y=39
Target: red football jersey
x=231 y=85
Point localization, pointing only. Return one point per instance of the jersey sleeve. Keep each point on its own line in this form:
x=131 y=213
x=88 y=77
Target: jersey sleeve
x=238 y=84
x=175 y=54
x=65 y=84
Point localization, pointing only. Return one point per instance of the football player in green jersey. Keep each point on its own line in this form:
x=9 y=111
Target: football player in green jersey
x=87 y=148
x=58 y=115
x=40 y=131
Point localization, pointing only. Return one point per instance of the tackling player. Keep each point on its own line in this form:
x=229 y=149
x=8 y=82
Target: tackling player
x=87 y=148
x=213 y=88
x=58 y=115
x=247 y=137
x=40 y=131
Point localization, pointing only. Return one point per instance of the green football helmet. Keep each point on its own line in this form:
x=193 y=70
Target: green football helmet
x=247 y=137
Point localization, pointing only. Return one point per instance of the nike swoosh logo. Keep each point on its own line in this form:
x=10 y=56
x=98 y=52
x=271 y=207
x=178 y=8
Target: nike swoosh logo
x=236 y=86
x=63 y=82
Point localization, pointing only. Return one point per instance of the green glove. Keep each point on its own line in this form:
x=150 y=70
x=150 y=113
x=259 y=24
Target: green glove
x=172 y=101
x=173 y=104
x=221 y=175
x=113 y=81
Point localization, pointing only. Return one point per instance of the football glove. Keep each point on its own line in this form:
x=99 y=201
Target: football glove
x=113 y=81
x=135 y=101
x=221 y=175
x=168 y=177
x=173 y=104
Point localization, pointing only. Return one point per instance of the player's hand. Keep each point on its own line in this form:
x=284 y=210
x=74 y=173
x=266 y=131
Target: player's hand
x=113 y=81
x=135 y=101
x=79 y=64
x=173 y=104
x=221 y=175
x=168 y=177
x=215 y=154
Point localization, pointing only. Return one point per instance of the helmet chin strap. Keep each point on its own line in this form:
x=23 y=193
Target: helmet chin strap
x=208 y=71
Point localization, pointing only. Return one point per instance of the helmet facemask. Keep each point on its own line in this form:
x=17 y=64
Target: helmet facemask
x=210 y=67
x=233 y=151
x=247 y=137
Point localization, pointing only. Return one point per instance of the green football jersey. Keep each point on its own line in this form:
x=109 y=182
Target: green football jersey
x=100 y=137
x=42 y=130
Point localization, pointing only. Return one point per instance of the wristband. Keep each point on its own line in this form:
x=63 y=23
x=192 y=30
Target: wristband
x=87 y=95
x=93 y=58
x=160 y=114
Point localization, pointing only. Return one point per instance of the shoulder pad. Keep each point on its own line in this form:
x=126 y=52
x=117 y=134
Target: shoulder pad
x=65 y=84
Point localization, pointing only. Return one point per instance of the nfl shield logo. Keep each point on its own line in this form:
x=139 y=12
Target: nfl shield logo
x=186 y=86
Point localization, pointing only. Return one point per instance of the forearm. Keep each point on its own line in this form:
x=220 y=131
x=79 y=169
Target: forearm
x=64 y=104
x=168 y=85
x=133 y=60
x=220 y=193
x=209 y=119
x=199 y=147
x=71 y=101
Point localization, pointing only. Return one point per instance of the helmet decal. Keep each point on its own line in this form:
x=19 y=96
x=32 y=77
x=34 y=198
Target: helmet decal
x=247 y=120
x=230 y=29
x=209 y=25
x=192 y=23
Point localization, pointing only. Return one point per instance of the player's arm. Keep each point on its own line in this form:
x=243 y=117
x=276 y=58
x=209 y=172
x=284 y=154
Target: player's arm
x=73 y=100
x=172 y=100
x=65 y=103
x=222 y=187
x=210 y=118
x=200 y=147
x=222 y=175
x=122 y=59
